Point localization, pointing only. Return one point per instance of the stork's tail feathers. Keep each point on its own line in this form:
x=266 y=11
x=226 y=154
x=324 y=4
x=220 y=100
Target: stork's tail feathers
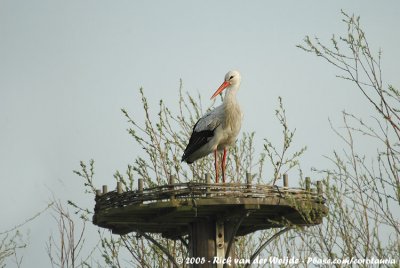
x=185 y=159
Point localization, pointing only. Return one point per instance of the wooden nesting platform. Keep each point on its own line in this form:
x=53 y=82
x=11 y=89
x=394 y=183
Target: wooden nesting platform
x=171 y=209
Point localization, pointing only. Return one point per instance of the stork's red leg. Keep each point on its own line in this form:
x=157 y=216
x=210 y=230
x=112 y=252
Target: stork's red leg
x=223 y=166
x=216 y=166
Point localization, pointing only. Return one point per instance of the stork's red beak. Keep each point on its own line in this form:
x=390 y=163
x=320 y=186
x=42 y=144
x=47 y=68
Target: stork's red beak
x=221 y=88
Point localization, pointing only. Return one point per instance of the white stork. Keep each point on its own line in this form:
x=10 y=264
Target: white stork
x=217 y=129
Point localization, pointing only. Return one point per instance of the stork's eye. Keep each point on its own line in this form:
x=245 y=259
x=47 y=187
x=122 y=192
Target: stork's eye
x=231 y=77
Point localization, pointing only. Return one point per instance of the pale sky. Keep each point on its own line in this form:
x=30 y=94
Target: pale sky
x=67 y=67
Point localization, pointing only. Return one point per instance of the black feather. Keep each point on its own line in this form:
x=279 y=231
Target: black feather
x=197 y=139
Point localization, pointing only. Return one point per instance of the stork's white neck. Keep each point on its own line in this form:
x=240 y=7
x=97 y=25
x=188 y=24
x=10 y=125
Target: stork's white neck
x=230 y=95
x=232 y=114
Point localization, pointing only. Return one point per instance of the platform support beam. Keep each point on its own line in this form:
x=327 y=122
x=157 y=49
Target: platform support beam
x=209 y=239
x=219 y=242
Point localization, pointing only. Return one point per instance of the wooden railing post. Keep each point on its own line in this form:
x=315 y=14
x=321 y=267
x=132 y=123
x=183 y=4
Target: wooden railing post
x=171 y=183
x=285 y=180
x=105 y=190
x=308 y=184
x=208 y=182
x=119 y=187
x=140 y=188
x=248 y=180
x=320 y=191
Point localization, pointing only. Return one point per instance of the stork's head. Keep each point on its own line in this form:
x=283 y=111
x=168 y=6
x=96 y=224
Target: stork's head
x=232 y=79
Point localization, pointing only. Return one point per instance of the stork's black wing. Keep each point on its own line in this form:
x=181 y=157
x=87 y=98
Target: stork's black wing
x=198 y=139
